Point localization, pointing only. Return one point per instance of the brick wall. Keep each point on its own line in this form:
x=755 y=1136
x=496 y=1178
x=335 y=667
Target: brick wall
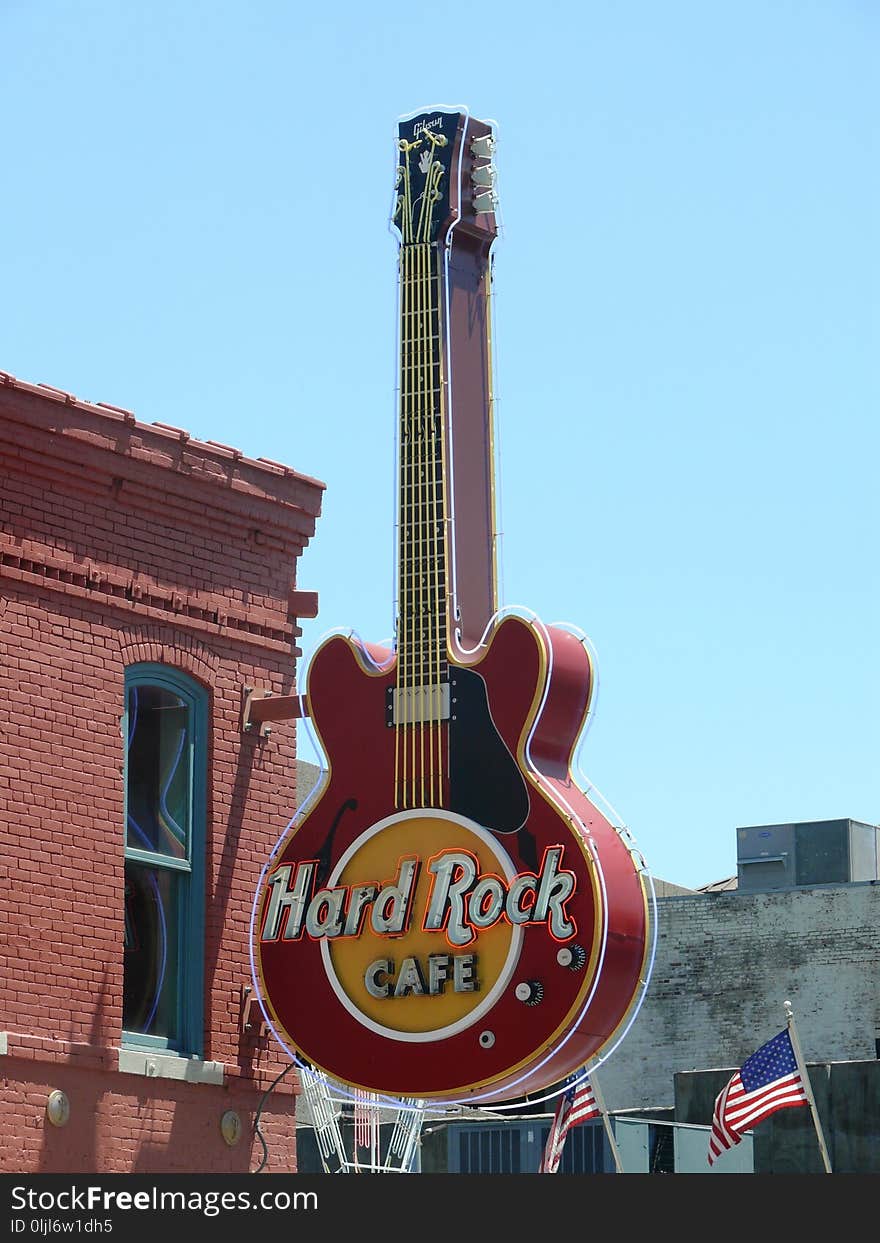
x=128 y=1124
x=123 y=542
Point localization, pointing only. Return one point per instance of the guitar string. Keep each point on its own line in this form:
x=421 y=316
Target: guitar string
x=433 y=508
x=402 y=637
x=424 y=328
x=418 y=729
x=425 y=344
x=415 y=591
x=400 y=755
x=440 y=583
x=430 y=678
x=430 y=632
x=400 y=515
x=406 y=703
x=436 y=652
x=403 y=200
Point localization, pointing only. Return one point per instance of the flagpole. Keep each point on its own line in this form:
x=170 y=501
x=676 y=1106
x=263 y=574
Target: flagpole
x=808 y=1088
x=606 y=1122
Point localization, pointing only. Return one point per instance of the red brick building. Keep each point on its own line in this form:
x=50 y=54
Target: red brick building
x=147 y=580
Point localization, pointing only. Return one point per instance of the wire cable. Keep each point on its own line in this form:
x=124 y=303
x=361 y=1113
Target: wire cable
x=259 y=1134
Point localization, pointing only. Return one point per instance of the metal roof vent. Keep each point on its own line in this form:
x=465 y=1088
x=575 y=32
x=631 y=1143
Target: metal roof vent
x=814 y=852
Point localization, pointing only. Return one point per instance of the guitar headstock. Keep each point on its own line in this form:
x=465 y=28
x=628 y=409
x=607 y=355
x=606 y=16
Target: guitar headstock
x=445 y=177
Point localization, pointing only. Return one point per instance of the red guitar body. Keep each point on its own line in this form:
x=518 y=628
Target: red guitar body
x=538 y=685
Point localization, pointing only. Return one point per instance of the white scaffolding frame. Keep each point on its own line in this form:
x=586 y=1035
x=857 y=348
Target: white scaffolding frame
x=324 y=1100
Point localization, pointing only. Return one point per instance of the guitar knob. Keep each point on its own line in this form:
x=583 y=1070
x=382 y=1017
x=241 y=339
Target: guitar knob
x=572 y=956
x=530 y=992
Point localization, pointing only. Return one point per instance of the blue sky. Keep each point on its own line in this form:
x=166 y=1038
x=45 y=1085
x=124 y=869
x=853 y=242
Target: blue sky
x=194 y=225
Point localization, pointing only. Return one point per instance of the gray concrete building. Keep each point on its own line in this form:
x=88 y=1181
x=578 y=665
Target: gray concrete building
x=727 y=961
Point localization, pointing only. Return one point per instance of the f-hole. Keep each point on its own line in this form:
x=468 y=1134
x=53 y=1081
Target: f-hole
x=324 y=858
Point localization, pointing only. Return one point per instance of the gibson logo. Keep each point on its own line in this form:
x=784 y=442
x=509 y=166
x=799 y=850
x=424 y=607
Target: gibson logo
x=462 y=901
x=421 y=126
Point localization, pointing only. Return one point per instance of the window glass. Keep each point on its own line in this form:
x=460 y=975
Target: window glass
x=159 y=771
x=152 y=936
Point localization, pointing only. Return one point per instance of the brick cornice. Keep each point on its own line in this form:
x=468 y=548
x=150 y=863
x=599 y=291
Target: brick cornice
x=203 y=613
x=40 y=421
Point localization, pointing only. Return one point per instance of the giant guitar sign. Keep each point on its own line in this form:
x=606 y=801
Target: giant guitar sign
x=450 y=916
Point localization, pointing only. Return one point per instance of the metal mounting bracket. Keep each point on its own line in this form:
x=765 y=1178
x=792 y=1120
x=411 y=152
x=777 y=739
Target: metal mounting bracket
x=250 y=1015
x=260 y=708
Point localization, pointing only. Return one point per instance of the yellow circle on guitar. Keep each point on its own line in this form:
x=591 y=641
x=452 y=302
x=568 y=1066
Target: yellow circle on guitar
x=431 y=948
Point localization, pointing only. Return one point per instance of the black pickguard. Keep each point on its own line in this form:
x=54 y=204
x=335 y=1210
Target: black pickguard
x=486 y=784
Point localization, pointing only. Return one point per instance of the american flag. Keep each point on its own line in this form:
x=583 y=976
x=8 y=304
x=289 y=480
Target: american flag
x=576 y=1104
x=767 y=1081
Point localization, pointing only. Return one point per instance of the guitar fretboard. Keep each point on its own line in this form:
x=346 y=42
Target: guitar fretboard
x=420 y=703
x=422 y=549
x=422 y=698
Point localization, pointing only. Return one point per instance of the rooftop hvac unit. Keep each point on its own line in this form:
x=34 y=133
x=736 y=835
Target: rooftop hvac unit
x=815 y=852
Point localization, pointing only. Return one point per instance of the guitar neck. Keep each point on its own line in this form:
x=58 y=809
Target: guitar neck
x=422 y=580
x=444 y=214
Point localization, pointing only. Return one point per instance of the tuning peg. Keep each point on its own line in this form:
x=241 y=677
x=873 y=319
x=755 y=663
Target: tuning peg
x=487 y=201
x=483 y=147
x=484 y=175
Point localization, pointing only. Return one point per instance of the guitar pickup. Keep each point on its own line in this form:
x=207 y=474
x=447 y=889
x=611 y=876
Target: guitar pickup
x=417 y=705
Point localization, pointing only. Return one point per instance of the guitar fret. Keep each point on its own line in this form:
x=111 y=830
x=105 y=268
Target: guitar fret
x=421 y=494
x=424 y=626
x=409 y=574
x=427 y=565
x=428 y=560
x=413 y=606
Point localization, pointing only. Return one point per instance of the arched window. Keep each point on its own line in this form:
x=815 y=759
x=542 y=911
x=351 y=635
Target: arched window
x=165 y=740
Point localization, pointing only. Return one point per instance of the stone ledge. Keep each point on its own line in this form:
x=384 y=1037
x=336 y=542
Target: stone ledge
x=170 y=1066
